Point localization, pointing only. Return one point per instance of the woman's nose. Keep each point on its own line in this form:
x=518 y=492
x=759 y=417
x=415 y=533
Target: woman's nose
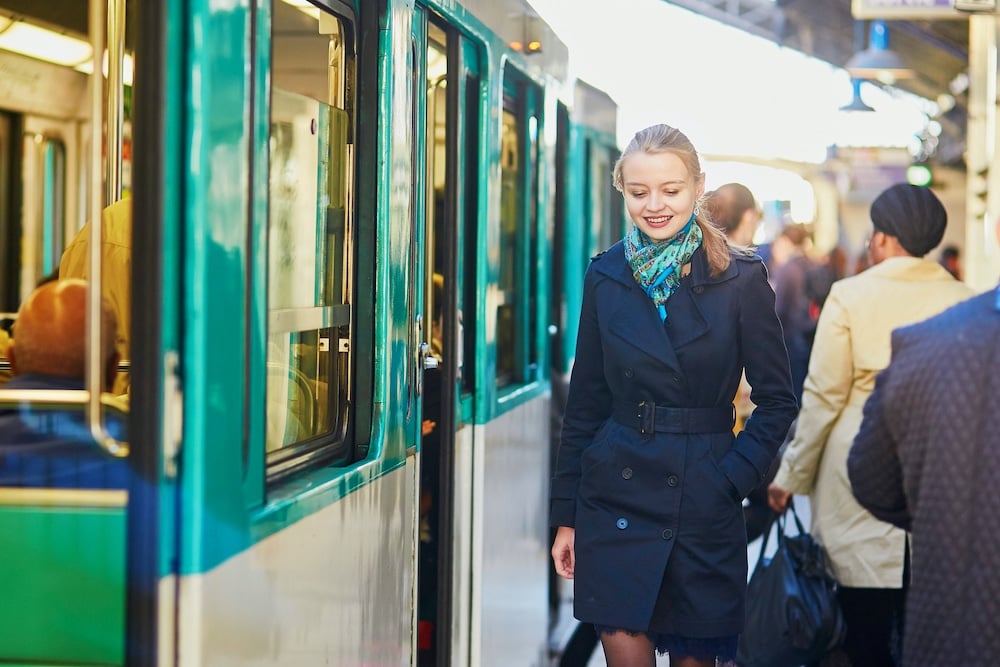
x=655 y=202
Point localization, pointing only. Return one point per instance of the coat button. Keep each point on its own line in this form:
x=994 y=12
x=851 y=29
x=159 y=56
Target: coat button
x=629 y=372
x=627 y=473
x=675 y=377
x=699 y=289
x=667 y=534
x=622 y=524
x=672 y=480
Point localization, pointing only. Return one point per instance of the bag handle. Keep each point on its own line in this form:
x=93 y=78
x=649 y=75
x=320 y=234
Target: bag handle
x=782 y=522
x=795 y=515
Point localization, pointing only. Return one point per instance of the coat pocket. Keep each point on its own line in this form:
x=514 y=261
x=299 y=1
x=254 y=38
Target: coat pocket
x=720 y=446
x=600 y=451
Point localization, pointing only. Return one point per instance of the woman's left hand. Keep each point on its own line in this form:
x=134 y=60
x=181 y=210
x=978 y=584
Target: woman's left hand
x=563 y=552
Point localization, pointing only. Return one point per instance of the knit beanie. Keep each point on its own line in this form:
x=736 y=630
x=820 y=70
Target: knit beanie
x=911 y=213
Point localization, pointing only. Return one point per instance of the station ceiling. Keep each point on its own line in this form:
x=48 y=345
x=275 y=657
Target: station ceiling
x=937 y=50
x=825 y=29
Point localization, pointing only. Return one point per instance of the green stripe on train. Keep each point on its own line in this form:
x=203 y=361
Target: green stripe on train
x=62 y=575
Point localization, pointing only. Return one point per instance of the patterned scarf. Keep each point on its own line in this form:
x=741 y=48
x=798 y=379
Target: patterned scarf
x=656 y=266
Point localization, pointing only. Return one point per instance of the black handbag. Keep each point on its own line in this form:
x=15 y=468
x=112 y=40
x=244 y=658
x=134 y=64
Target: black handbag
x=793 y=617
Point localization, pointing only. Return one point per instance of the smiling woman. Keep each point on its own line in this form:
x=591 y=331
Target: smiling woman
x=660 y=194
x=663 y=328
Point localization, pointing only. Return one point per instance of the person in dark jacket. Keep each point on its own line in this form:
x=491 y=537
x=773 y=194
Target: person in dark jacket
x=47 y=447
x=650 y=478
x=924 y=456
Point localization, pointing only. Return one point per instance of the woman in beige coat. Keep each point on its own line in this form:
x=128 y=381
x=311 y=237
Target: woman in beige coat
x=852 y=345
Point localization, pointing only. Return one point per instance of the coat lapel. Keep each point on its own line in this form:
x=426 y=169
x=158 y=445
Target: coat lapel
x=686 y=305
x=633 y=317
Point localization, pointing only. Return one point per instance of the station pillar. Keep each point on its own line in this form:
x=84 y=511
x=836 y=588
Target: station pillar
x=982 y=256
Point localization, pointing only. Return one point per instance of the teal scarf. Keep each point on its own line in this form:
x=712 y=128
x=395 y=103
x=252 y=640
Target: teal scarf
x=656 y=266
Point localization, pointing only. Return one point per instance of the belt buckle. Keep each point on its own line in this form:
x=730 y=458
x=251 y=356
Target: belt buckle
x=647 y=417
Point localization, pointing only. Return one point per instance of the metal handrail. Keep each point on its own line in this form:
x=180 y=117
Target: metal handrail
x=94 y=367
x=123 y=366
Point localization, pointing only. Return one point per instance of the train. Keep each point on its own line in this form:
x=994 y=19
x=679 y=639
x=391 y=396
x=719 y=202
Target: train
x=357 y=236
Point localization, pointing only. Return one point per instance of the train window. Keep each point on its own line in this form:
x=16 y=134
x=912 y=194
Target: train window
x=311 y=176
x=517 y=349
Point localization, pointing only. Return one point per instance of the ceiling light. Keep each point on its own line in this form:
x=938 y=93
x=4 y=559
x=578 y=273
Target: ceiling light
x=305 y=7
x=856 y=104
x=42 y=44
x=128 y=68
x=878 y=62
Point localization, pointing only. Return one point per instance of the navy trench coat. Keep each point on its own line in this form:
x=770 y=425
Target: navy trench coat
x=660 y=538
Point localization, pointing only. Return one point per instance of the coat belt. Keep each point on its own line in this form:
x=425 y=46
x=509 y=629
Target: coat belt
x=648 y=417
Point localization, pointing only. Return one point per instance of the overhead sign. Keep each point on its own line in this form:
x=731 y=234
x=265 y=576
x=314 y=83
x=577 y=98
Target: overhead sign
x=905 y=9
x=976 y=5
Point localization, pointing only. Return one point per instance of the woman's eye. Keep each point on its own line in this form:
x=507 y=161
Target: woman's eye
x=637 y=194
x=670 y=193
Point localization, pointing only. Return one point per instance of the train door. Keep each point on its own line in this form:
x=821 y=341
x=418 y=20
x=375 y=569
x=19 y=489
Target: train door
x=49 y=212
x=38 y=197
x=446 y=94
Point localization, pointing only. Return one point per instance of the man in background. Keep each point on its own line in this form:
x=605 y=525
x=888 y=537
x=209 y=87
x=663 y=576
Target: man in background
x=951 y=259
x=116 y=276
x=53 y=447
x=926 y=460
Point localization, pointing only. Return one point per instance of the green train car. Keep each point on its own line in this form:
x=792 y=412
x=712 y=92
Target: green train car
x=356 y=237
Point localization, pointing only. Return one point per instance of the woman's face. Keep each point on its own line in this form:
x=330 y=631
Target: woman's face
x=660 y=193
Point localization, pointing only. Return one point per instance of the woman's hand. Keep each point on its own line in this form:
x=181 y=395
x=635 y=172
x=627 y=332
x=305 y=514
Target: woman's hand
x=563 y=553
x=777 y=498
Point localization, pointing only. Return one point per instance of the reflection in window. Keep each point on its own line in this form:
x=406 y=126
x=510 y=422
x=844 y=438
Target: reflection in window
x=602 y=230
x=510 y=214
x=311 y=168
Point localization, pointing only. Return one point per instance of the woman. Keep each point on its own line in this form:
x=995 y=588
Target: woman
x=649 y=481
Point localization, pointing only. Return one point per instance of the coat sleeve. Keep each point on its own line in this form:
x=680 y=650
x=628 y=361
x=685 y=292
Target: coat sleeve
x=873 y=465
x=766 y=362
x=824 y=396
x=588 y=406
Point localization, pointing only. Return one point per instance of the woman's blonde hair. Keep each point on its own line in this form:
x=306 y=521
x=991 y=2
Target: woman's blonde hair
x=666 y=139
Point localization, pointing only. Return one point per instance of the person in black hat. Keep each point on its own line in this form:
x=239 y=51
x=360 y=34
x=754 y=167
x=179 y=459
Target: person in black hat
x=910 y=217
x=851 y=346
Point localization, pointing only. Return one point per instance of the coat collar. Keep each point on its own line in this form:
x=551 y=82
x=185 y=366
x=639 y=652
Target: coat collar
x=911 y=269
x=636 y=320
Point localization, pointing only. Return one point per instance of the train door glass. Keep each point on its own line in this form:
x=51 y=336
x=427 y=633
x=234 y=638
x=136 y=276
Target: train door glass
x=516 y=317
x=309 y=231
x=436 y=278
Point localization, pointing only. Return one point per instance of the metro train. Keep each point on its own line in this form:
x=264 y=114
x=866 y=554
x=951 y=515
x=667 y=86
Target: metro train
x=358 y=236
